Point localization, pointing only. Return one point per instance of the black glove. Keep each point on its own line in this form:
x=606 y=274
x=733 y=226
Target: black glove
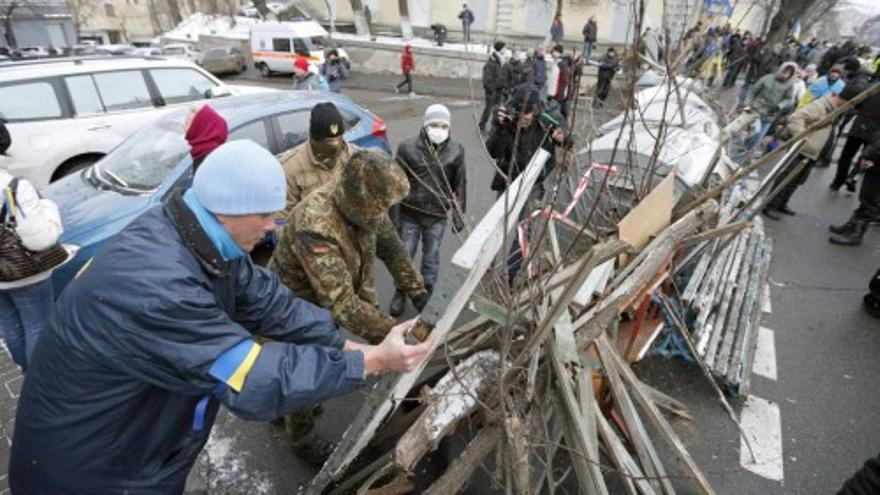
x=457 y=223
x=420 y=300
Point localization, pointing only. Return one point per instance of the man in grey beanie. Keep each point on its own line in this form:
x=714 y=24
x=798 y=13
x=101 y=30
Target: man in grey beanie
x=169 y=321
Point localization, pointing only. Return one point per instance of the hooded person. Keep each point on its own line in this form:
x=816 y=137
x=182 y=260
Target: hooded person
x=772 y=95
x=434 y=165
x=206 y=130
x=164 y=341
x=319 y=159
x=327 y=251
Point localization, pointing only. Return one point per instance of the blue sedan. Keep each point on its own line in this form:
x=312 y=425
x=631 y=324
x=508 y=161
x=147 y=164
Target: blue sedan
x=139 y=173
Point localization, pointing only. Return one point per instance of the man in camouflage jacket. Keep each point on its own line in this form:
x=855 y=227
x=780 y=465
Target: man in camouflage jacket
x=326 y=253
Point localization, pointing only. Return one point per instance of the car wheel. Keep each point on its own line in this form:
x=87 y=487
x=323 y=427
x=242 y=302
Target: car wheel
x=264 y=70
x=74 y=165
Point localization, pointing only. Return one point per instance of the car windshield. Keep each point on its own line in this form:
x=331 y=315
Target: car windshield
x=142 y=161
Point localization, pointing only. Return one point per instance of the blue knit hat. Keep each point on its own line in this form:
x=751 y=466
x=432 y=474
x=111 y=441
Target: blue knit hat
x=240 y=178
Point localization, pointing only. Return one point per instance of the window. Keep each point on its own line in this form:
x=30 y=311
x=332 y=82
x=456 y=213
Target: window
x=294 y=128
x=181 y=85
x=123 y=90
x=33 y=100
x=300 y=47
x=84 y=95
x=109 y=11
x=215 y=54
x=351 y=120
x=255 y=131
x=281 y=45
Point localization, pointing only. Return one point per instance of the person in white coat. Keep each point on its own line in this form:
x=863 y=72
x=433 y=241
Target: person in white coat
x=26 y=302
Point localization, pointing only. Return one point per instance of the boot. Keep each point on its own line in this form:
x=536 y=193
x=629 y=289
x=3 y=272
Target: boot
x=398 y=304
x=852 y=237
x=770 y=213
x=872 y=305
x=314 y=450
x=784 y=209
x=843 y=228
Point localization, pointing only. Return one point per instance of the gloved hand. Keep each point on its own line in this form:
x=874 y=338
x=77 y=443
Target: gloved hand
x=457 y=223
x=420 y=300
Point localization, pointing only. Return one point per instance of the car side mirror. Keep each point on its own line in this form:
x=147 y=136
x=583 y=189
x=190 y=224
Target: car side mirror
x=217 y=92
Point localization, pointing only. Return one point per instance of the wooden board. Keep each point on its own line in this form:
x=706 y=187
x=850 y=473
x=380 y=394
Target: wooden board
x=650 y=216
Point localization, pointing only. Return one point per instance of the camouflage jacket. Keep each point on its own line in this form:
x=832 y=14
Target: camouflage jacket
x=325 y=259
x=305 y=173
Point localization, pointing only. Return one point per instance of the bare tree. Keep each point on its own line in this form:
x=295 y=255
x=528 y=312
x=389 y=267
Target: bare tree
x=8 y=12
x=174 y=10
x=405 y=25
x=793 y=10
x=360 y=20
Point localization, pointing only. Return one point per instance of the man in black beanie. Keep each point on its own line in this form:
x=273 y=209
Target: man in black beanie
x=319 y=159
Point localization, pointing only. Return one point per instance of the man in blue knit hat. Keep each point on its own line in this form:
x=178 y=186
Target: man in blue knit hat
x=171 y=319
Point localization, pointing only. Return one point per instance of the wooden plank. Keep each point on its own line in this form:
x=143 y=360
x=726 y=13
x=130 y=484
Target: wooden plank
x=469 y=264
x=650 y=216
x=724 y=307
x=638 y=434
x=736 y=310
x=629 y=469
x=613 y=360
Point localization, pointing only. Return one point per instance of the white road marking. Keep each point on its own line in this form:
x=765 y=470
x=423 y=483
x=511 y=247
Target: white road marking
x=762 y=424
x=765 y=354
x=766 y=305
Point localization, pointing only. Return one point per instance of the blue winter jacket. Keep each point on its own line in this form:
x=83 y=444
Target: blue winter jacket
x=143 y=347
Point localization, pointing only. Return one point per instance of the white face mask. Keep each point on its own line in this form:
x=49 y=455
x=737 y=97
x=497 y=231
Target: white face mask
x=437 y=135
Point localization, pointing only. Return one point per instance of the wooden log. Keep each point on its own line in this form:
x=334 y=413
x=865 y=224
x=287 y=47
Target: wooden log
x=452 y=399
x=461 y=470
x=612 y=359
x=469 y=264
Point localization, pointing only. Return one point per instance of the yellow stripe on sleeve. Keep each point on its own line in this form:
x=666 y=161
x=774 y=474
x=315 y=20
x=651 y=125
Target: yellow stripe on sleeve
x=236 y=381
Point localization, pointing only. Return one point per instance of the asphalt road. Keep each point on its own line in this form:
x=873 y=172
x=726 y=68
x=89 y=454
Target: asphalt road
x=826 y=348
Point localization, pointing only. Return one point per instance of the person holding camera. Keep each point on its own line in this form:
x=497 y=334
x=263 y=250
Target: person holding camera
x=434 y=165
x=523 y=125
x=334 y=70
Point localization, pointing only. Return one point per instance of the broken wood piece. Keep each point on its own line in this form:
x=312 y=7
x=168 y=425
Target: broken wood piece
x=630 y=472
x=612 y=360
x=666 y=402
x=452 y=399
x=650 y=216
x=461 y=470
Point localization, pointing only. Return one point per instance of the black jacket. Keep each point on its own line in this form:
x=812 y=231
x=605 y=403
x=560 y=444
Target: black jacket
x=493 y=75
x=149 y=339
x=872 y=150
x=867 y=113
x=513 y=161
x=589 y=31
x=436 y=175
x=515 y=73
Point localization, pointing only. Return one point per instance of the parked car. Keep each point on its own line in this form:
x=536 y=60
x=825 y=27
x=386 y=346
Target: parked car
x=118 y=49
x=182 y=50
x=83 y=49
x=64 y=114
x=33 y=51
x=224 y=60
x=149 y=51
x=99 y=201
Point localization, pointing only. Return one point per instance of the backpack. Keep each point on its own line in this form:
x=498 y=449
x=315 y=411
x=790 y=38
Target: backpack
x=16 y=261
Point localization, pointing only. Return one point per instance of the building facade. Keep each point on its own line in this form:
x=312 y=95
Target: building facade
x=532 y=18
x=36 y=22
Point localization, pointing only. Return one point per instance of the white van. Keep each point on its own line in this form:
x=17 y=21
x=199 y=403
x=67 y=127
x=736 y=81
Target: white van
x=64 y=114
x=275 y=45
